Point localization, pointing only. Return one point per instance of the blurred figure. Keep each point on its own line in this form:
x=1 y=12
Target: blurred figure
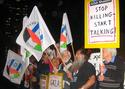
x=51 y=52
x=112 y=71
x=66 y=58
x=47 y=60
x=84 y=74
x=30 y=78
x=43 y=67
x=55 y=62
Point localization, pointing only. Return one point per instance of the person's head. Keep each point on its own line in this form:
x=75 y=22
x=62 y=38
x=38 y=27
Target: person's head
x=56 y=62
x=33 y=60
x=66 y=55
x=82 y=54
x=108 y=53
x=44 y=57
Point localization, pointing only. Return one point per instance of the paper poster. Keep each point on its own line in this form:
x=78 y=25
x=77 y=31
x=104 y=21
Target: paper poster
x=96 y=61
x=44 y=82
x=55 y=81
x=102 y=24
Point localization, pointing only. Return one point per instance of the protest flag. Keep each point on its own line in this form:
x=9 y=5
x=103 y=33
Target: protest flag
x=35 y=36
x=65 y=37
x=14 y=67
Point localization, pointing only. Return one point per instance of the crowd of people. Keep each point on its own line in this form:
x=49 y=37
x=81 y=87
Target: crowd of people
x=78 y=73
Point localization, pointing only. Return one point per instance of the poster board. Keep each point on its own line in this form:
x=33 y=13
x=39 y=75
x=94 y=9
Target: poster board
x=96 y=61
x=102 y=29
x=43 y=81
x=55 y=81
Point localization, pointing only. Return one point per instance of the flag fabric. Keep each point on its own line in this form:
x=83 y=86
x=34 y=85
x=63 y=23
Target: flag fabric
x=65 y=37
x=25 y=53
x=14 y=67
x=35 y=36
x=25 y=19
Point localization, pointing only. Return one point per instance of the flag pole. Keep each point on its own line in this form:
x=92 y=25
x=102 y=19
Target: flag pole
x=60 y=56
x=101 y=65
x=101 y=56
x=67 y=71
x=52 y=65
x=73 y=50
x=50 y=61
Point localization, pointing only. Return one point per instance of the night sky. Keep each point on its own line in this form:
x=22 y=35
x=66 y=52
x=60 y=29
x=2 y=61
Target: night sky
x=13 y=11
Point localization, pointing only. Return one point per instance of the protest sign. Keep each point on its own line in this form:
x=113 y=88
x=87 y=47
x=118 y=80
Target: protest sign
x=102 y=24
x=55 y=81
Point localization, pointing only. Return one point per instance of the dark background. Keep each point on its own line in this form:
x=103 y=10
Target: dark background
x=13 y=11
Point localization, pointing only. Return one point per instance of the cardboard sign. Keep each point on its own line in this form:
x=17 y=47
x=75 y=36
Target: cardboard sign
x=102 y=24
x=55 y=81
x=96 y=61
x=44 y=82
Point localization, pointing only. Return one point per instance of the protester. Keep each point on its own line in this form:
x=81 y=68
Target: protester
x=45 y=66
x=112 y=71
x=84 y=74
x=55 y=62
x=64 y=68
x=30 y=80
x=51 y=52
x=42 y=68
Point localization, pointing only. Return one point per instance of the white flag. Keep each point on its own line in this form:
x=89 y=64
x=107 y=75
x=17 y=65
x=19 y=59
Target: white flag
x=35 y=36
x=25 y=54
x=65 y=37
x=25 y=19
x=14 y=67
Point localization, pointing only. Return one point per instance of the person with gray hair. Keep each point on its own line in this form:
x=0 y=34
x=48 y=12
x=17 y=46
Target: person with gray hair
x=112 y=71
x=83 y=72
x=66 y=58
x=112 y=50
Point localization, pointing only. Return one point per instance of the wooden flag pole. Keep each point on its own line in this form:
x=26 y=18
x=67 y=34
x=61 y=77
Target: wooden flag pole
x=73 y=51
x=53 y=66
x=101 y=64
x=101 y=56
x=50 y=61
x=67 y=71
x=60 y=56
